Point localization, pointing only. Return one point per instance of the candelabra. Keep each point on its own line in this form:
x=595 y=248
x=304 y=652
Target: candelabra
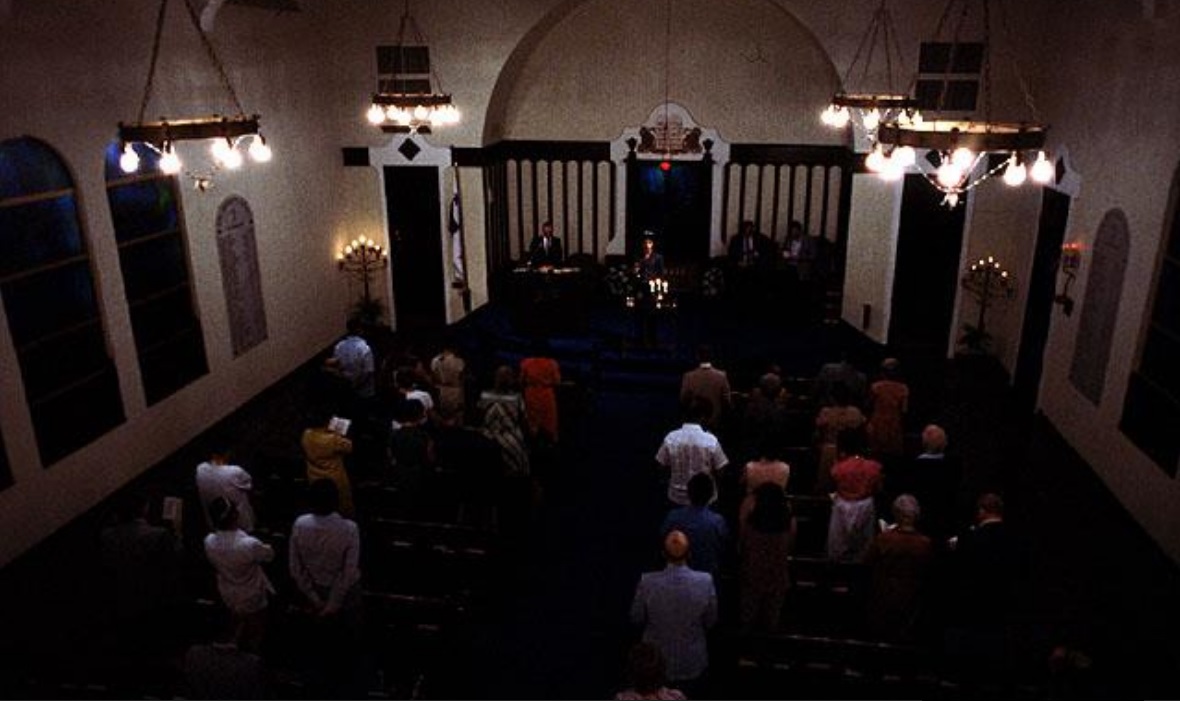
x=361 y=259
x=988 y=282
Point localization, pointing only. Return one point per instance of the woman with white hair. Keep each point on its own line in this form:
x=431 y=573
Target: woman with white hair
x=899 y=560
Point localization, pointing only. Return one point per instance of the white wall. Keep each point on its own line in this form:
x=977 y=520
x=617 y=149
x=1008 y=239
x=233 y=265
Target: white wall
x=872 y=252
x=1114 y=98
x=72 y=71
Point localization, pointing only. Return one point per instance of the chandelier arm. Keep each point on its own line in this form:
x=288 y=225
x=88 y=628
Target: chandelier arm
x=1020 y=80
x=151 y=75
x=212 y=54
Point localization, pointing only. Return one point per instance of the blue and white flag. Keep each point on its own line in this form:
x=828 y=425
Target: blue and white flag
x=455 y=226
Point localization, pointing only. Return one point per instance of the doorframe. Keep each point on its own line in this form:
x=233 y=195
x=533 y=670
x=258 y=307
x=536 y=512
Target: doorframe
x=410 y=150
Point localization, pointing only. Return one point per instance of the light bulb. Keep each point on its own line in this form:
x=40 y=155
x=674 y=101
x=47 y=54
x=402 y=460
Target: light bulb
x=828 y=116
x=904 y=156
x=876 y=160
x=949 y=175
x=963 y=158
x=220 y=148
x=871 y=119
x=170 y=163
x=232 y=159
x=375 y=115
x=1042 y=170
x=421 y=112
x=916 y=119
x=893 y=170
x=259 y=150
x=449 y=114
x=129 y=160
x=841 y=117
x=1015 y=173
x=397 y=115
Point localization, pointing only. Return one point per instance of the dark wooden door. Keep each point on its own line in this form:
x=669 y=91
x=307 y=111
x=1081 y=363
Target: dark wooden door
x=926 y=277
x=1041 y=289
x=416 y=255
x=674 y=204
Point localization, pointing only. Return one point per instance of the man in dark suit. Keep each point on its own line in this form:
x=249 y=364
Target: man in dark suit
x=991 y=569
x=545 y=249
x=751 y=248
x=676 y=606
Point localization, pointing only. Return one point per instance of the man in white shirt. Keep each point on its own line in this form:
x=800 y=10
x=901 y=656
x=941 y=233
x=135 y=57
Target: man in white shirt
x=217 y=478
x=353 y=360
x=238 y=558
x=689 y=450
x=324 y=553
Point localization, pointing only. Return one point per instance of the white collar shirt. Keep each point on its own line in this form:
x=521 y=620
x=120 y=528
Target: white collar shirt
x=324 y=557
x=237 y=558
x=685 y=452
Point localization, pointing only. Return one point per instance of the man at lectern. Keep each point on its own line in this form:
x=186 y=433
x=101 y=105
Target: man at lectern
x=545 y=250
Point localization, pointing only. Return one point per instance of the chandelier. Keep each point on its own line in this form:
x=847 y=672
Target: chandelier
x=406 y=100
x=230 y=135
x=871 y=108
x=964 y=153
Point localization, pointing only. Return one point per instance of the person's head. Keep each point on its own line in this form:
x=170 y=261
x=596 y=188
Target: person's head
x=649 y=245
x=768 y=446
x=771 y=384
x=850 y=441
x=411 y=411
x=795 y=229
x=676 y=547
x=747 y=227
x=698 y=410
x=504 y=379
x=323 y=497
x=704 y=353
x=933 y=439
x=219 y=452
x=772 y=511
x=989 y=506
x=546 y=228
x=224 y=514
x=132 y=506
x=319 y=415
x=354 y=326
x=890 y=368
x=841 y=396
x=646 y=668
x=906 y=510
x=700 y=489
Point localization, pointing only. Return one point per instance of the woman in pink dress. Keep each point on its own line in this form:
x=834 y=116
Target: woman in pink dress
x=765 y=470
x=888 y=402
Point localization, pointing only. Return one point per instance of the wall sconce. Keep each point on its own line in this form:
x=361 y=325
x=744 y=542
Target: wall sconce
x=1071 y=262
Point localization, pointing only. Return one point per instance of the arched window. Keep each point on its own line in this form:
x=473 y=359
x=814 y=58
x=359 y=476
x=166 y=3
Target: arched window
x=153 y=255
x=53 y=313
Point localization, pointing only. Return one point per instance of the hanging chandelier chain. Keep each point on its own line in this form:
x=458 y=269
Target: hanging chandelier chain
x=151 y=75
x=950 y=59
x=667 y=64
x=212 y=54
x=1025 y=92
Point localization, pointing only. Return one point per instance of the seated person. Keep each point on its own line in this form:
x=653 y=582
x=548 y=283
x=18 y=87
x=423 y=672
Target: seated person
x=545 y=250
x=750 y=248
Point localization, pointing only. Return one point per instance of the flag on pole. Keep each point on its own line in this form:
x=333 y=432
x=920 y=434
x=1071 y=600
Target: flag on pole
x=455 y=226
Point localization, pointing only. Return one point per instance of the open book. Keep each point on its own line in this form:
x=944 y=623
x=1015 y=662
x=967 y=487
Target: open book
x=339 y=425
